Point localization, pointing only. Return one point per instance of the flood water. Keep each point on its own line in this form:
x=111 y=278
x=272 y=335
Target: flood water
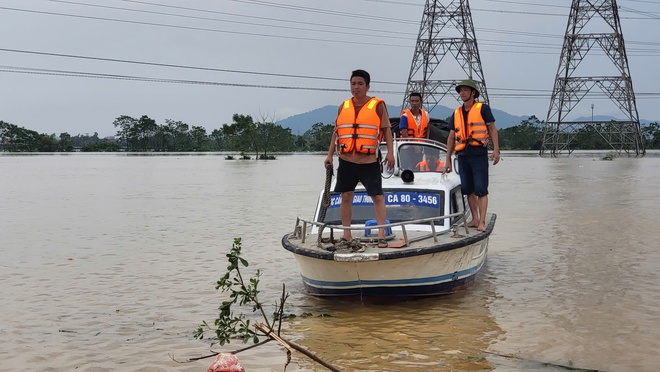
x=108 y=262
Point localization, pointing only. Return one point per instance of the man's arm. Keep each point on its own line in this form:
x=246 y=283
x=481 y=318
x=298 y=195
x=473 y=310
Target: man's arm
x=450 y=143
x=492 y=130
x=403 y=126
x=333 y=142
x=331 y=149
x=386 y=127
x=450 y=150
x=487 y=114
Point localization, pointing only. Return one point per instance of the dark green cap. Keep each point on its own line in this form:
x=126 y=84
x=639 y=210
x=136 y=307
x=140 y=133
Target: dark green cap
x=468 y=83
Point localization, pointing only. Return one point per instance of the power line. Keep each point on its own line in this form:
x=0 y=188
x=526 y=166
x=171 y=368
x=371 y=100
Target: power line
x=370 y=17
x=508 y=44
x=537 y=45
x=393 y=35
x=197 y=28
x=506 y=92
x=362 y=33
x=251 y=16
x=52 y=72
x=180 y=66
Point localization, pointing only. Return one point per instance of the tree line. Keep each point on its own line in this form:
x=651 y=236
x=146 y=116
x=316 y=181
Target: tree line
x=244 y=135
x=528 y=135
x=249 y=137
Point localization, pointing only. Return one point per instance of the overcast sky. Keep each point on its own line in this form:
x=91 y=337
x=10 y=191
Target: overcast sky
x=201 y=61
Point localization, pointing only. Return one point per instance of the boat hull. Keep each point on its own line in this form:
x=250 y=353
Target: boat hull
x=422 y=275
x=446 y=267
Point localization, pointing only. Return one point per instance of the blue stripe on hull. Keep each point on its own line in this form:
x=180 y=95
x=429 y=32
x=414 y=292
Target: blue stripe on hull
x=385 y=291
x=443 y=284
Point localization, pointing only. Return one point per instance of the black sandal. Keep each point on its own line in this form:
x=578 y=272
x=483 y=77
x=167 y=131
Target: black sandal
x=382 y=243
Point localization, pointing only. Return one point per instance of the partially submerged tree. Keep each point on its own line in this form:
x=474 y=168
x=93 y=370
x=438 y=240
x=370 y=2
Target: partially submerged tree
x=244 y=292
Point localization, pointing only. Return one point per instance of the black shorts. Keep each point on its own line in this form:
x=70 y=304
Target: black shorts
x=473 y=170
x=349 y=174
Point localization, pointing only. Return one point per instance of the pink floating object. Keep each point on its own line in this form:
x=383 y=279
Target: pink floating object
x=226 y=362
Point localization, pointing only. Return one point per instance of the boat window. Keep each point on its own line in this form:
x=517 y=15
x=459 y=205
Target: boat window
x=456 y=204
x=411 y=156
x=402 y=205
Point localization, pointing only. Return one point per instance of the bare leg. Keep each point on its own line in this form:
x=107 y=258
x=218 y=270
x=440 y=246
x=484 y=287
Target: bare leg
x=474 y=210
x=379 y=211
x=483 y=207
x=346 y=212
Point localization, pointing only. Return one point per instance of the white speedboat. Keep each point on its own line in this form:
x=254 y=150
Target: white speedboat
x=430 y=249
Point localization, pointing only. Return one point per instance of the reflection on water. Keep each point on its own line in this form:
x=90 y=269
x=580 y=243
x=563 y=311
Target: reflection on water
x=108 y=262
x=442 y=333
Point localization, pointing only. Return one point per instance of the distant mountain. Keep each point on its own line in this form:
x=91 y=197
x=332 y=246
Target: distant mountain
x=301 y=123
x=505 y=120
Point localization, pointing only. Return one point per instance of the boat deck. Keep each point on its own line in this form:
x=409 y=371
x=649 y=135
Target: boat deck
x=399 y=243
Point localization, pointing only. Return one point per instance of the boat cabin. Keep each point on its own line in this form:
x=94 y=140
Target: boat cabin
x=417 y=192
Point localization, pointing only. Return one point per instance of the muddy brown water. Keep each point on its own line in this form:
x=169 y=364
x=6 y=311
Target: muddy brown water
x=108 y=262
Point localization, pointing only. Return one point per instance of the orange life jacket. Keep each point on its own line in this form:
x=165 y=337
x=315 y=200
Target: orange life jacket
x=361 y=132
x=418 y=130
x=424 y=166
x=476 y=133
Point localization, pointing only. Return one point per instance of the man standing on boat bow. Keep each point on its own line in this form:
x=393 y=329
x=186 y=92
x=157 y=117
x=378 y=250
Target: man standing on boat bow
x=472 y=130
x=362 y=122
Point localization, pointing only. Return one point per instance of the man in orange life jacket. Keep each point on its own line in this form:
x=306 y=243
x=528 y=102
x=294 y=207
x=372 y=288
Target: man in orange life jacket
x=431 y=162
x=473 y=128
x=361 y=123
x=414 y=123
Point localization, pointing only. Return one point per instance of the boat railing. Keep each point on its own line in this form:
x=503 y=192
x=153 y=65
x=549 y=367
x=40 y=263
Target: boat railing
x=300 y=231
x=421 y=141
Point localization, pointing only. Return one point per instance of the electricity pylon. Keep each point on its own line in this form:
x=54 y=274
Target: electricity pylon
x=561 y=134
x=439 y=23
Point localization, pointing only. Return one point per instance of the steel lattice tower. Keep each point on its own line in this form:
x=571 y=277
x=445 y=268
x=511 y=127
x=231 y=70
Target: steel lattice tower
x=439 y=23
x=569 y=89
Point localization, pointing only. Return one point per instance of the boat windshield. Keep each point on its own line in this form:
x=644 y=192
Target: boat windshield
x=402 y=205
x=412 y=155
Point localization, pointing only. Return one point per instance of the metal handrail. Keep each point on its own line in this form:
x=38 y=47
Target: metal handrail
x=301 y=233
x=429 y=141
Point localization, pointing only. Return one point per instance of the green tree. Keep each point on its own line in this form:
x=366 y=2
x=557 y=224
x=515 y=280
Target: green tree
x=526 y=136
x=146 y=131
x=217 y=140
x=318 y=137
x=101 y=146
x=65 y=143
x=177 y=137
x=24 y=140
x=651 y=134
x=82 y=140
x=230 y=137
x=243 y=131
x=46 y=142
x=9 y=134
x=589 y=137
x=198 y=138
x=300 y=143
x=127 y=134
x=272 y=137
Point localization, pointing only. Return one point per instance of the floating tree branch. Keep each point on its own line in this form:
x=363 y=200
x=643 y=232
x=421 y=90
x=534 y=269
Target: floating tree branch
x=228 y=326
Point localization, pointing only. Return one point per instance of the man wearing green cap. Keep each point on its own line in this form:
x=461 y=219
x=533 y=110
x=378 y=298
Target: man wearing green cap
x=473 y=129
